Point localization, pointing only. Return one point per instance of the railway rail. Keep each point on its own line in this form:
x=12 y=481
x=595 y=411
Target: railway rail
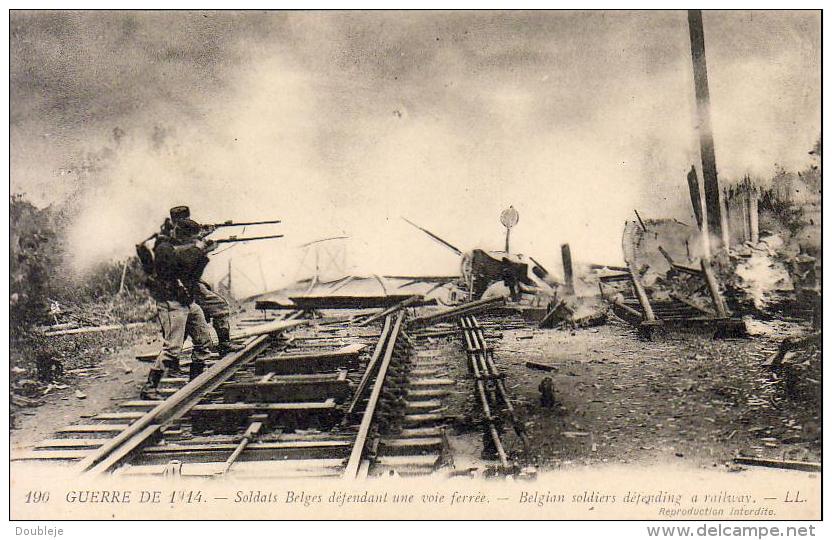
x=331 y=397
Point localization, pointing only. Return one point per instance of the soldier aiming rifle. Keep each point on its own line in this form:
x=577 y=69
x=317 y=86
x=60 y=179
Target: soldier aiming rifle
x=173 y=269
x=215 y=307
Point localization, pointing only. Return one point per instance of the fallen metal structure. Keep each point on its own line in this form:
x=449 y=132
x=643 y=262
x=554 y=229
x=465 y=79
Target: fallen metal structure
x=482 y=268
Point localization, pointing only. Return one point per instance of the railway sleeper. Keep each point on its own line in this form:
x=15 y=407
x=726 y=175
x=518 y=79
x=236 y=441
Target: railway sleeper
x=407 y=465
x=420 y=393
x=309 y=362
x=52 y=455
x=290 y=388
x=307 y=468
x=408 y=446
x=230 y=417
x=67 y=444
x=92 y=431
x=256 y=451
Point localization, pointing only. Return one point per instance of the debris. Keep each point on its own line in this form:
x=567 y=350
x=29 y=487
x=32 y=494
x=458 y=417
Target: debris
x=392 y=309
x=779 y=464
x=89 y=329
x=22 y=401
x=540 y=365
x=470 y=308
x=127 y=369
x=80 y=395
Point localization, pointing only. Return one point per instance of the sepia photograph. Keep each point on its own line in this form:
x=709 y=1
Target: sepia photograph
x=415 y=264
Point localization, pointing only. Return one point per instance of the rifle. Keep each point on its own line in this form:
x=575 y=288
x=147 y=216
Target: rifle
x=246 y=239
x=230 y=223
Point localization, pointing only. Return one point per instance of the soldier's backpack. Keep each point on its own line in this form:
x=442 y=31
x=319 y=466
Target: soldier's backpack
x=146 y=259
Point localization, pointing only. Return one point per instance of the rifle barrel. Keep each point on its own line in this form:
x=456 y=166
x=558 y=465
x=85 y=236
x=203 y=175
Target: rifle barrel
x=246 y=239
x=244 y=223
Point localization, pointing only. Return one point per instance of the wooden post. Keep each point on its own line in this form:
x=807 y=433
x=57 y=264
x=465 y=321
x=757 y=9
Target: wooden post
x=695 y=195
x=123 y=275
x=706 y=139
x=568 y=276
x=724 y=227
x=641 y=294
x=713 y=287
x=753 y=215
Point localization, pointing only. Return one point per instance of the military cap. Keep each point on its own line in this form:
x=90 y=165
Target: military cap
x=178 y=213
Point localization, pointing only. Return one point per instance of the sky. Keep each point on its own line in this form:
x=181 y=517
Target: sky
x=341 y=123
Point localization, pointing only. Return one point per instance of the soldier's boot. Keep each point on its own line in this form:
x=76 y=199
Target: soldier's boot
x=197 y=367
x=150 y=390
x=225 y=345
x=173 y=368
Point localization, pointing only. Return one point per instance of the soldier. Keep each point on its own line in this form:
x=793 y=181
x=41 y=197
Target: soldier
x=214 y=306
x=173 y=271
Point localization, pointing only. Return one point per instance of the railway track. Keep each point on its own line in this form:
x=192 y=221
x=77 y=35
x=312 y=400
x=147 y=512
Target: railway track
x=314 y=398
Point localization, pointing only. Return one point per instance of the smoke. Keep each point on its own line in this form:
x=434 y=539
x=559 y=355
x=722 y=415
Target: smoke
x=340 y=123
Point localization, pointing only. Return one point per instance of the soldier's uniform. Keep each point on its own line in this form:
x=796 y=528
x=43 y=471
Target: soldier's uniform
x=173 y=286
x=214 y=306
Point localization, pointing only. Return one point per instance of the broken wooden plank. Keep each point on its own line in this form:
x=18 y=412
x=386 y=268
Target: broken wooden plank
x=268 y=328
x=779 y=464
x=91 y=329
x=614 y=278
x=260 y=329
x=687 y=270
x=457 y=311
x=713 y=287
x=627 y=313
x=641 y=294
x=94 y=428
x=540 y=365
x=561 y=310
x=690 y=304
x=273 y=304
x=401 y=305
x=309 y=362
